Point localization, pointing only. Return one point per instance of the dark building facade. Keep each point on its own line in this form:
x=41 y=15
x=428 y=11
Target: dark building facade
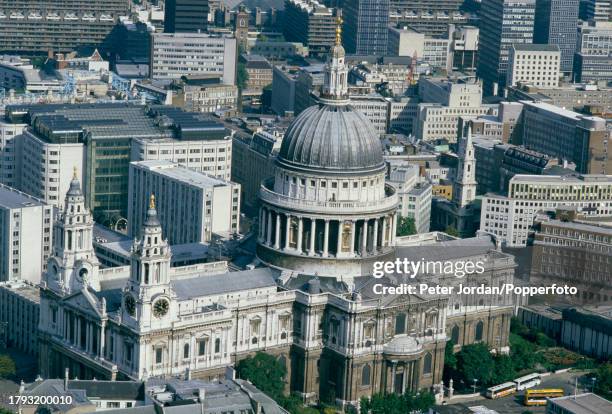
x=310 y=23
x=502 y=24
x=555 y=24
x=39 y=26
x=186 y=16
x=366 y=27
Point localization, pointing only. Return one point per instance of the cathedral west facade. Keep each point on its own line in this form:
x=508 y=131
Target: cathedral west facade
x=326 y=217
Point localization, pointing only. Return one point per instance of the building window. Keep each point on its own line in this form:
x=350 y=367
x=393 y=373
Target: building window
x=365 y=375
x=427 y=364
x=186 y=351
x=159 y=355
x=400 y=323
x=217 y=345
x=201 y=347
x=455 y=334
x=479 y=329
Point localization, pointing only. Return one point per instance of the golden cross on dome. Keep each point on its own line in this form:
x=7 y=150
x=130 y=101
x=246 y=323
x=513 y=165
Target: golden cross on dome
x=338 y=30
x=74 y=173
x=152 y=202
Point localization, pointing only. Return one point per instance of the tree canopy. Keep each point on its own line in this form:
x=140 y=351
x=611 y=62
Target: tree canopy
x=406 y=226
x=397 y=404
x=265 y=372
x=7 y=366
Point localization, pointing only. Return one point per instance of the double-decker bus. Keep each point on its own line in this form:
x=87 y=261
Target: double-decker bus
x=501 y=390
x=538 y=397
x=527 y=381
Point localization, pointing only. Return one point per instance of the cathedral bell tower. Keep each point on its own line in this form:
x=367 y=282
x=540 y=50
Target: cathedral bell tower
x=73 y=264
x=464 y=190
x=148 y=297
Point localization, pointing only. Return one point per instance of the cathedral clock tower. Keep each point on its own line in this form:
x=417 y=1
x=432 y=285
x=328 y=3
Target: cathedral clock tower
x=148 y=299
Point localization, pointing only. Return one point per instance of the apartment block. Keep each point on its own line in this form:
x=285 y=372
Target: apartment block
x=365 y=30
x=311 y=23
x=555 y=24
x=19 y=316
x=405 y=41
x=593 y=59
x=191 y=205
x=25 y=235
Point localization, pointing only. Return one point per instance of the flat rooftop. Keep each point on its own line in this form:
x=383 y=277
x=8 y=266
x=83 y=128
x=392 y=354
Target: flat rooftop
x=181 y=174
x=12 y=198
x=583 y=404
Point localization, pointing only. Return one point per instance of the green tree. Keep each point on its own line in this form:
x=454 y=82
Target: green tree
x=242 y=76
x=504 y=369
x=603 y=380
x=450 y=359
x=475 y=362
x=265 y=372
x=422 y=401
x=451 y=231
x=522 y=352
x=7 y=366
x=406 y=226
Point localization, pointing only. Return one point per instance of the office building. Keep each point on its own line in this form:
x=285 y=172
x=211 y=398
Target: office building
x=402 y=113
x=464 y=48
x=283 y=90
x=190 y=16
x=414 y=195
x=511 y=217
x=10 y=152
x=253 y=163
x=537 y=65
x=597 y=10
x=395 y=75
x=192 y=205
x=205 y=94
x=405 y=41
x=555 y=24
x=19 y=316
x=593 y=60
x=505 y=23
x=37 y=27
x=260 y=74
x=571 y=250
x=365 y=29
x=582 y=98
x=578 y=138
x=578 y=404
x=431 y=17
x=310 y=23
x=25 y=235
x=375 y=108
x=174 y=55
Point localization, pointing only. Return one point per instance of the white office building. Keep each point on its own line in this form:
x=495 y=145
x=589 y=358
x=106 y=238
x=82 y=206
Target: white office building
x=9 y=153
x=177 y=54
x=25 y=235
x=414 y=195
x=537 y=65
x=405 y=41
x=210 y=156
x=510 y=217
x=47 y=168
x=191 y=205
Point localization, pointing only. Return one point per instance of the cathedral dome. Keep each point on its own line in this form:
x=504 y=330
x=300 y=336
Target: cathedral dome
x=331 y=138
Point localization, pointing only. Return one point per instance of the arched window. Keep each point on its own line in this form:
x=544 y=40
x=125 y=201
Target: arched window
x=455 y=334
x=365 y=374
x=217 y=345
x=400 y=323
x=479 y=329
x=186 y=351
x=427 y=363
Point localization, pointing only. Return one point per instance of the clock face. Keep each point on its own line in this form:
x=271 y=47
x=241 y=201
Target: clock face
x=130 y=305
x=160 y=308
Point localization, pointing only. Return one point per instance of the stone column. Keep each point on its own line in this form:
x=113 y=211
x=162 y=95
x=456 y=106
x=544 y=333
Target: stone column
x=393 y=228
x=339 y=244
x=353 y=231
x=405 y=376
x=102 y=340
x=364 y=238
x=375 y=236
x=277 y=234
x=261 y=224
x=313 y=233
x=300 y=237
x=269 y=226
x=384 y=232
x=393 y=363
x=287 y=230
x=326 y=239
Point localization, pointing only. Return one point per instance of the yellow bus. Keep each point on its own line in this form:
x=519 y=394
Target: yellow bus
x=538 y=397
